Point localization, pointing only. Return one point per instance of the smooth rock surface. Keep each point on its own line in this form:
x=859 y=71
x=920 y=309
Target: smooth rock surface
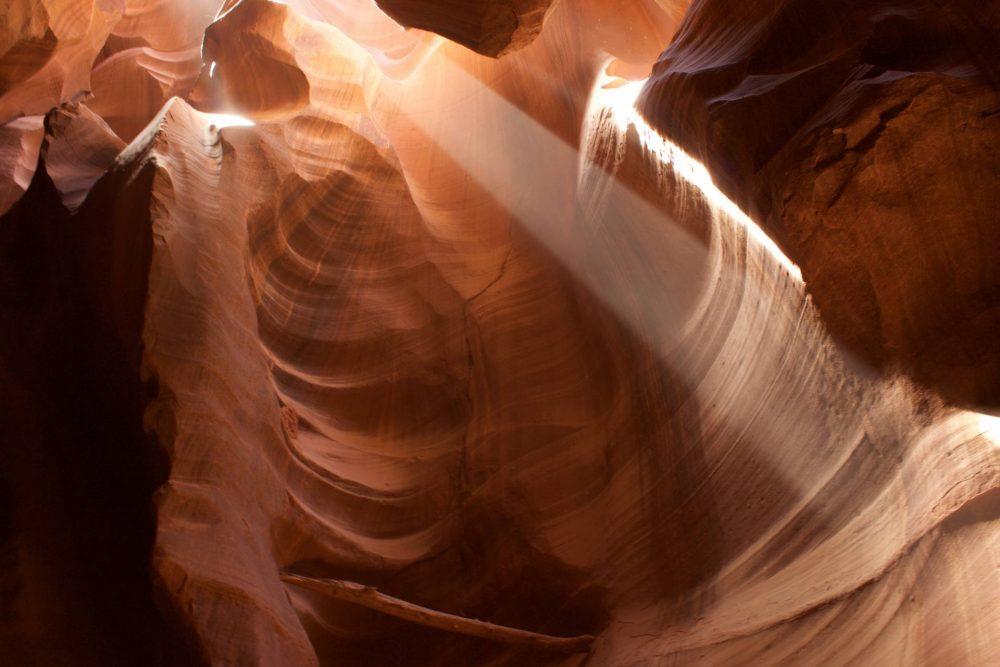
x=489 y=27
x=298 y=292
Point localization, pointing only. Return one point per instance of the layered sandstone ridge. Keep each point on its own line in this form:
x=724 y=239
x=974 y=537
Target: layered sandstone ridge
x=855 y=132
x=359 y=303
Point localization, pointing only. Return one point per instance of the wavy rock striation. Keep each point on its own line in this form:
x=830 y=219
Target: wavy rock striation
x=476 y=341
x=854 y=132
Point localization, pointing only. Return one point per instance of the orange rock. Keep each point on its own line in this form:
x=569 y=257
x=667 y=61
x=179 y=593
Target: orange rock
x=298 y=295
x=489 y=27
x=47 y=49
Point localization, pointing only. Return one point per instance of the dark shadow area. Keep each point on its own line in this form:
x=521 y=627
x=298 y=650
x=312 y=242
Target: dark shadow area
x=76 y=468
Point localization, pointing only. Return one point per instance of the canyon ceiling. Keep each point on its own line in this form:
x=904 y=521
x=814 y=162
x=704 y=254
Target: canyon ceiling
x=499 y=332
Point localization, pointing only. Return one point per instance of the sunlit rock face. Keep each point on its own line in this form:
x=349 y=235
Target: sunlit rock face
x=855 y=132
x=296 y=290
x=47 y=48
x=153 y=53
x=46 y=52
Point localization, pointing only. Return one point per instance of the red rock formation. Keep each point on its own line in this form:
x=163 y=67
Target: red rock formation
x=854 y=131
x=20 y=141
x=46 y=51
x=76 y=470
x=80 y=147
x=153 y=53
x=470 y=337
x=489 y=27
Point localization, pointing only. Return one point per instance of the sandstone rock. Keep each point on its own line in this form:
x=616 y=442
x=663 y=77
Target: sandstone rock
x=46 y=51
x=489 y=27
x=153 y=53
x=20 y=141
x=80 y=147
x=315 y=297
x=797 y=105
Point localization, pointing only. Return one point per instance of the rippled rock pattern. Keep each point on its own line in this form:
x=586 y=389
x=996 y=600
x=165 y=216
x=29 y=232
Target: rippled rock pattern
x=436 y=299
x=854 y=132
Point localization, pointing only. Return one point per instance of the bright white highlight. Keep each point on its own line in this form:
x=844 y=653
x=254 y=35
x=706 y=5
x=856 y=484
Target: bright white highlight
x=990 y=427
x=620 y=100
x=211 y=69
x=221 y=120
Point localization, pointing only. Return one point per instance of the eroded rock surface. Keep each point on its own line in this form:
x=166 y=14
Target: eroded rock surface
x=854 y=132
x=490 y=27
x=325 y=297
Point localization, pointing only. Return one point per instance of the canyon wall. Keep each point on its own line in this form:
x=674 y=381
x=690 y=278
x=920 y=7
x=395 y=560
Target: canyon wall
x=295 y=290
x=862 y=136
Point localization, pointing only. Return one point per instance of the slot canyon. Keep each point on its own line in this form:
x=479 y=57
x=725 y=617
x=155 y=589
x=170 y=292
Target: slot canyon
x=500 y=332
